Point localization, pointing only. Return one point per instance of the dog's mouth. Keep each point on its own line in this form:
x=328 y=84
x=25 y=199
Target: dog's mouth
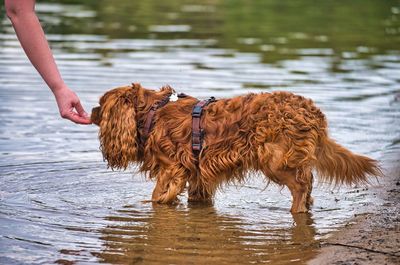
x=95 y=117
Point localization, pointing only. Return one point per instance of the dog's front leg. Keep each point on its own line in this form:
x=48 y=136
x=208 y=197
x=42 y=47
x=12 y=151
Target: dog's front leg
x=170 y=183
x=198 y=191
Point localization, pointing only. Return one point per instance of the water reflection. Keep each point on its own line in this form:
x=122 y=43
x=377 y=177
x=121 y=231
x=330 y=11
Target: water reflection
x=274 y=29
x=58 y=200
x=198 y=234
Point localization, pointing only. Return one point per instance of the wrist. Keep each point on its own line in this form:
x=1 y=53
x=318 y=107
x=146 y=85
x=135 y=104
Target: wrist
x=56 y=89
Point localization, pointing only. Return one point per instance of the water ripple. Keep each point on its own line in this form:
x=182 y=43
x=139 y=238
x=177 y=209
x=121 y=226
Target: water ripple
x=60 y=203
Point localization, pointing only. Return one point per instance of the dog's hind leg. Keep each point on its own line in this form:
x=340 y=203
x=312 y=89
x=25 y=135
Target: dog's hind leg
x=170 y=183
x=299 y=182
x=310 y=199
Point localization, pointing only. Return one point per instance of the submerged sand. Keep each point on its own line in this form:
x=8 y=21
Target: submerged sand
x=372 y=237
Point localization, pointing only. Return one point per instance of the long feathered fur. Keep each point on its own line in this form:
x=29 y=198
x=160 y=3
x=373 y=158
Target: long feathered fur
x=337 y=165
x=280 y=134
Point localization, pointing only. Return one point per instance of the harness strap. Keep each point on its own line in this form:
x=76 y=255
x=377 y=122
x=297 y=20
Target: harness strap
x=197 y=130
x=149 y=121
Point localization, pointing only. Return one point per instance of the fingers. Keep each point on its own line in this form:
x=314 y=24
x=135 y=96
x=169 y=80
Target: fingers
x=75 y=117
x=80 y=109
x=80 y=118
x=70 y=106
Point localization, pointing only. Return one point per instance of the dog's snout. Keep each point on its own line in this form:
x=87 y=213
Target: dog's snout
x=95 y=117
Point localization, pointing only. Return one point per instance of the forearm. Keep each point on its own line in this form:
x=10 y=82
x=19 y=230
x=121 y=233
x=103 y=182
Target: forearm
x=33 y=41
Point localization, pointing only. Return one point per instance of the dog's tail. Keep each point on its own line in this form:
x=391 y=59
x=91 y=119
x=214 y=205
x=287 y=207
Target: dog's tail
x=336 y=164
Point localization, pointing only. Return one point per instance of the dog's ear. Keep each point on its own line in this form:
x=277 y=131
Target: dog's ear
x=118 y=127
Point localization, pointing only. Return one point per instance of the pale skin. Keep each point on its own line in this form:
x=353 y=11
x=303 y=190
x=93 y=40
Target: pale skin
x=33 y=40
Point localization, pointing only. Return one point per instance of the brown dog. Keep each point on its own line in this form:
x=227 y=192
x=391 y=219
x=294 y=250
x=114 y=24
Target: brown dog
x=280 y=134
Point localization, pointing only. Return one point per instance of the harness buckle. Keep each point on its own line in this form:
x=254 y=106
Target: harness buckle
x=196 y=147
x=197 y=111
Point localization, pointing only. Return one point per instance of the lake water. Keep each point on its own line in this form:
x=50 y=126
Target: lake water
x=59 y=202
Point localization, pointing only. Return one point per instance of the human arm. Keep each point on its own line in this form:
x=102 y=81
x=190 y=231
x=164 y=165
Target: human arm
x=33 y=40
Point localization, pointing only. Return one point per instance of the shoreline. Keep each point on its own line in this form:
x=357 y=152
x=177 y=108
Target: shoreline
x=374 y=236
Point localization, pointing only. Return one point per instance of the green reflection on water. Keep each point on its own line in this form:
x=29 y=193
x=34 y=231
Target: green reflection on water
x=274 y=28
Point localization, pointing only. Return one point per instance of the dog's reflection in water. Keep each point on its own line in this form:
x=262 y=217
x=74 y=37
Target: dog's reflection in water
x=197 y=234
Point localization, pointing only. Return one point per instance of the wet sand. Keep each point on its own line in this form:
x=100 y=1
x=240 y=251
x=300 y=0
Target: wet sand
x=373 y=237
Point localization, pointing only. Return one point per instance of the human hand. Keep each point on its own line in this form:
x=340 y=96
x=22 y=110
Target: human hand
x=70 y=107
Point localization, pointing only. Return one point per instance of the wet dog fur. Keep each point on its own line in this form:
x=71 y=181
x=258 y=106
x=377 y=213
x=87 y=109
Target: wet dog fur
x=281 y=135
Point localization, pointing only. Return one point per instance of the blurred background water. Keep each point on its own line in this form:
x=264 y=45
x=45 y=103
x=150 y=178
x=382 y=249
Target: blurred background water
x=59 y=202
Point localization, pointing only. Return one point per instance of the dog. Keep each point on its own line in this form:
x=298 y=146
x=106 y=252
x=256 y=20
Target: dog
x=279 y=134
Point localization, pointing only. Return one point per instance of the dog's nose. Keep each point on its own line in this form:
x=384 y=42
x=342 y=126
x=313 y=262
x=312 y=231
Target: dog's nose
x=95 y=117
